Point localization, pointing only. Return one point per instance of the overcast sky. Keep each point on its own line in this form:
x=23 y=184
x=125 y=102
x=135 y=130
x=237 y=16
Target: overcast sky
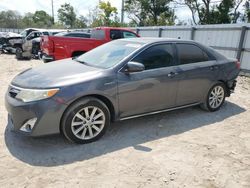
x=81 y=6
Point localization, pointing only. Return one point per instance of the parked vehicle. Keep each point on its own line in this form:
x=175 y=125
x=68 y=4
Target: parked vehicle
x=119 y=80
x=19 y=41
x=29 y=46
x=56 y=48
x=6 y=39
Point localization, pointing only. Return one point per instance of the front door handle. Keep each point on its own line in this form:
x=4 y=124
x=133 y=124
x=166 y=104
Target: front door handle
x=172 y=74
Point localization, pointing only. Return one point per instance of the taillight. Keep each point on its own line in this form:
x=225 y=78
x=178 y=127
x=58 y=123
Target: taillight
x=237 y=64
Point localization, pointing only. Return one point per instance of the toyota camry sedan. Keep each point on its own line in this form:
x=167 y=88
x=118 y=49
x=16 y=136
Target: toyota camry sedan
x=119 y=80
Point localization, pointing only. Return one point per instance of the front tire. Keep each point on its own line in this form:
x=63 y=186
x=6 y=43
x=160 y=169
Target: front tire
x=19 y=52
x=85 y=121
x=215 y=97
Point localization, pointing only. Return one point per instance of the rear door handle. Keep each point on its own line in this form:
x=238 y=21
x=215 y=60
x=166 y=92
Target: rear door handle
x=172 y=74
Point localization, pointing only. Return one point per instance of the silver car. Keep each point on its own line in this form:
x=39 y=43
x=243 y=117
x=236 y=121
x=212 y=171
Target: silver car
x=119 y=80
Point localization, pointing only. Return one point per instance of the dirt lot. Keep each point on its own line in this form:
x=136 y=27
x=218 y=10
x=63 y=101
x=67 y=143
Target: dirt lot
x=185 y=148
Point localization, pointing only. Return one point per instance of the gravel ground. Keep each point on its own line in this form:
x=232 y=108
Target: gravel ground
x=184 y=148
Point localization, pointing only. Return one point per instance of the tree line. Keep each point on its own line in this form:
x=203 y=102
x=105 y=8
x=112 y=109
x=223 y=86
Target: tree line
x=140 y=13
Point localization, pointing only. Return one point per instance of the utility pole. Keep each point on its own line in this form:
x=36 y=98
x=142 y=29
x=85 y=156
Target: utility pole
x=122 y=12
x=53 y=17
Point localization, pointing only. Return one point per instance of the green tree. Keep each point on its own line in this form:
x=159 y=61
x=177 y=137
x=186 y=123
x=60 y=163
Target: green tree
x=10 y=19
x=67 y=15
x=27 y=20
x=42 y=19
x=247 y=11
x=202 y=8
x=136 y=12
x=103 y=15
x=210 y=12
x=221 y=13
x=150 y=12
x=236 y=14
x=107 y=11
x=81 y=22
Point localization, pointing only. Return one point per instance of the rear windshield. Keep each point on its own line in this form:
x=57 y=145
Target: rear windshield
x=98 y=34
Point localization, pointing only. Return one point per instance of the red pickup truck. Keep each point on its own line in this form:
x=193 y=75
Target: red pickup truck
x=58 y=47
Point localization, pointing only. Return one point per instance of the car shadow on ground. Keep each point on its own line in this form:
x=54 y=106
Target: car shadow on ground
x=55 y=150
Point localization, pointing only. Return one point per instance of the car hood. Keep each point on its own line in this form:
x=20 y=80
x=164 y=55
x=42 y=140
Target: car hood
x=56 y=74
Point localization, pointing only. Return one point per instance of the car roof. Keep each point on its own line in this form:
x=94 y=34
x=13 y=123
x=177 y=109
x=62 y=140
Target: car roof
x=149 y=40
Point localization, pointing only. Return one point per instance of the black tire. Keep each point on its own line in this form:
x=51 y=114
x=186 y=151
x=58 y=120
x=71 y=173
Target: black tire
x=71 y=114
x=46 y=61
x=207 y=104
x=19 y=52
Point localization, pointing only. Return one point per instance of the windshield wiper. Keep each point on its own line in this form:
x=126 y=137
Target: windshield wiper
x=75 y=59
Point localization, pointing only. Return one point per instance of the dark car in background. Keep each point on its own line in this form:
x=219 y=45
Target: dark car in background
x=77 y=34
x=119 y=80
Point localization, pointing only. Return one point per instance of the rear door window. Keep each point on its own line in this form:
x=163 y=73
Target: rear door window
x=190 y=53
x=158 y=56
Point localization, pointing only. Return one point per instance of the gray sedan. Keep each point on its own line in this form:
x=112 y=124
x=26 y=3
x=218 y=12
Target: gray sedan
x=119 y=80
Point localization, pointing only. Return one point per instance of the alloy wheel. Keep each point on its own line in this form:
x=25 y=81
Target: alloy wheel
x=216 y=97
x=88 y=122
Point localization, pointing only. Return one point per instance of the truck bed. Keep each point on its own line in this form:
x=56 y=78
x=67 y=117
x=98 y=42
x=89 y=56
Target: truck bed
x=57 y=46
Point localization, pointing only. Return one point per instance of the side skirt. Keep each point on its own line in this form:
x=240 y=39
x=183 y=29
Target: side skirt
x=160 y=111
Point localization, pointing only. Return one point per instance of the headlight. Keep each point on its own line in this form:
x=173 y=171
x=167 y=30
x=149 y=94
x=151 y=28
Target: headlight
x=28 y=95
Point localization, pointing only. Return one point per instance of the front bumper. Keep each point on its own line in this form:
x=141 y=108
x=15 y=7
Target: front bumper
x=48 y=113
x=9 y=48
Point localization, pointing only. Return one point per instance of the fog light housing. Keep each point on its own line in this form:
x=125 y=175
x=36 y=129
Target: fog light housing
x=28 y=125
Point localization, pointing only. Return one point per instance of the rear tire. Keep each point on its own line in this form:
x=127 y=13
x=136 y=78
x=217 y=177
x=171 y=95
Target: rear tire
x=85 y=121
x=46 y=61
x=215 y=97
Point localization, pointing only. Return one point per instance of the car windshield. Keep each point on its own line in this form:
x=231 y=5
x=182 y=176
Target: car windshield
x=24 y=33
x=110 y=54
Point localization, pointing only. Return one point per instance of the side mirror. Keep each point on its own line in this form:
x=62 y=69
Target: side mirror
x=134 y=67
